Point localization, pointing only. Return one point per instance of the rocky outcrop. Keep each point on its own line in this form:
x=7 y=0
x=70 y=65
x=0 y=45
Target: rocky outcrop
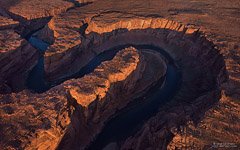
x=33 y=121
x=17 y=58
x=33 y=18
x=98 y=95
x=215 y=122
x=171 y=120
x=100 y=82
x=28 y=10
x=189 y=48
x=6 y=23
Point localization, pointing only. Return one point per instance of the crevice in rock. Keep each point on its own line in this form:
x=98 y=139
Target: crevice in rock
x=27 y=27
x=83 y=28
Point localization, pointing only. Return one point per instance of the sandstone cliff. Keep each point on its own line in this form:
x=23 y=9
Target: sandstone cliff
x=99 y=94
x=7 y=23
x=33 y=120
x=99 y=38
x=17 y=58
x=33 y=18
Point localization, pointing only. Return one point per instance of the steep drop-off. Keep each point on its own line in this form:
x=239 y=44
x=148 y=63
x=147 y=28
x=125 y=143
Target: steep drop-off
x=17 y=58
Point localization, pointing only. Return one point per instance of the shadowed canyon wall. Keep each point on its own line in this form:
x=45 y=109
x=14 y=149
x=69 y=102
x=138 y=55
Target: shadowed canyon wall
x=16 y=52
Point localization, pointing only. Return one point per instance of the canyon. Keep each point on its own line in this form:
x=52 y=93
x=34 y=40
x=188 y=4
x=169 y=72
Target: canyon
x=16 y=52
x=104 y=74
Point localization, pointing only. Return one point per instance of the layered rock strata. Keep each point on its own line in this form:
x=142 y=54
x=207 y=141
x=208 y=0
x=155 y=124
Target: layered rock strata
x=109 y=88
x=7 y=23
x=33 y=121
x=17 y=58
x=33 y=18
x=39 y=121
x=70 y=43
x=28 y=10
x=215 y=122
x=96 y=85
x=170 y=121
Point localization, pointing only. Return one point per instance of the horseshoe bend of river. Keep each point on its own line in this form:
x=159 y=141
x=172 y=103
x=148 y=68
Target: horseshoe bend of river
x=130 y=119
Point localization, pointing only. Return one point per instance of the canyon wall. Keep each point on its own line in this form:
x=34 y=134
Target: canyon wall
x=99 y=95
x=30 y=17
x=33 y=120
x=17 y=58
x=87 y=45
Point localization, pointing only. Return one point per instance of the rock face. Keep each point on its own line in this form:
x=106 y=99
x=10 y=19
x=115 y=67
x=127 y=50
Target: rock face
x=17 y=58
x=6 y=23
x=100 y=36
x=97 y=84
x=28 y=10
x=99 y=94
x=33 y=121
x=45 y=34
x=170 y=120
x=33 y=18
x=216 y=119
